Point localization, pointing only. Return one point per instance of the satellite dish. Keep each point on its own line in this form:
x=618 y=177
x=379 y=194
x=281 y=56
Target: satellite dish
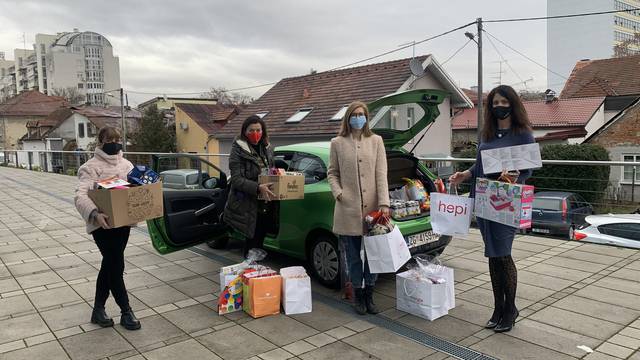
x=416 y=67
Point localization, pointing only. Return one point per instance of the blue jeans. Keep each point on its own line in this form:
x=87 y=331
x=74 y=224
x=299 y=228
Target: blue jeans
x=352 y=246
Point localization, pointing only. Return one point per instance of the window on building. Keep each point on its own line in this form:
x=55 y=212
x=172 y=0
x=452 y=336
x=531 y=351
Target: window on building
x=627 y=171
x=340 y=114
x=300 y=115
x=92 y=130
x=411 y=117
x=80 y=86
x=81 y=130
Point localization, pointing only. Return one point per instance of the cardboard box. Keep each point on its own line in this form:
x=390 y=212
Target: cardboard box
x=508 y=204
x=131 y=205
x=286 y=187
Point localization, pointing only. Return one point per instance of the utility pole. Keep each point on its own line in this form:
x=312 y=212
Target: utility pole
x=480 y=99
x=124 y=122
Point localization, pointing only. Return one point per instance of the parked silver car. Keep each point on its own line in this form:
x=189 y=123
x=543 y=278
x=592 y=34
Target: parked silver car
x=183 y=179
x=612 y=229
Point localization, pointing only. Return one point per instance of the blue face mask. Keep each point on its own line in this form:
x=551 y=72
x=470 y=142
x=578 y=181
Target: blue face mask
x=357 y=122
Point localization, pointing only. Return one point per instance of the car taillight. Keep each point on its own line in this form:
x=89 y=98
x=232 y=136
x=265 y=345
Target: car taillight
x=579 y=236
x=564 y=209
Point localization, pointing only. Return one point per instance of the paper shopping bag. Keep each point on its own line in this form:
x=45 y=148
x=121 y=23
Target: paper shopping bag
x=261 y=294
x=230 y=299
x=419 y=296
x=450 y=214
x=296 y=290
x=386 y=253
x=229 y=273
x=505 y=203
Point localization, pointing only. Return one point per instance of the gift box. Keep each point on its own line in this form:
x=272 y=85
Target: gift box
x=289 y=186
x=129 y=205
x=503 y=202
x=142 y=175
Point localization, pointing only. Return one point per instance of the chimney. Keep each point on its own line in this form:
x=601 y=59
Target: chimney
x=549 y=96
x=75 y=30
x=306 y=93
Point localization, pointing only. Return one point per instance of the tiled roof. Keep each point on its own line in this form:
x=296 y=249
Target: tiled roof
x=211 y=118
x=31 y=103
x=542 y=114
x=473 y=95
x=606 y=77
x=326 y=93
x=106 y=112
x=579 y=132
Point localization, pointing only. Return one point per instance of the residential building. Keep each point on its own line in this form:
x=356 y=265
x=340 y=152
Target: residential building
x=621 y=137
x=310 y=107
x=555 y=121
x=604 y=77
x=79 y=60
x=586 y=37
x=18 y=110
x=196 y=125
x=71 y=128
x=169 y=103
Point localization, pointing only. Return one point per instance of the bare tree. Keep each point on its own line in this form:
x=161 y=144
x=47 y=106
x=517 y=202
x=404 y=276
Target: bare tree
x=227 y=97
x=625 y=47
x=71 y=94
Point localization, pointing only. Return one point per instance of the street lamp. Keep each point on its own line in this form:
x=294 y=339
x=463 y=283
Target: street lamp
x=124 y=123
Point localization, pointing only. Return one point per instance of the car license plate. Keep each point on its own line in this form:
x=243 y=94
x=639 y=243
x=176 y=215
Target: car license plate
x=541 y=231
x=421 y=238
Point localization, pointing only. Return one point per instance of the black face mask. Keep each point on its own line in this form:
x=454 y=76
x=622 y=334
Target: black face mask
x=501 y=112
x=111 y=148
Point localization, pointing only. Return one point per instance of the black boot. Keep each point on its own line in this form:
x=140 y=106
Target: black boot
x=99 y=317
x=368 y=299
x=497 y=285
x=511 y=313
x=129 y=320
x=507 y=322
x=360 y=303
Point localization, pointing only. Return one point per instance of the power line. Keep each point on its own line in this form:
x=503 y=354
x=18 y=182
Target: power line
x=333 y=69
x=456 y=52
x=525 y=56
x=505 y=60
x=561 y=16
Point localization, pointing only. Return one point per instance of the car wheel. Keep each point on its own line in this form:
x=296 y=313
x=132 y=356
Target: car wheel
x=572 y=232
x=324 y=260
x=219 y=243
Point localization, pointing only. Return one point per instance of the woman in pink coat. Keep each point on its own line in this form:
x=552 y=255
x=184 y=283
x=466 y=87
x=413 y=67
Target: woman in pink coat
x=107 y=162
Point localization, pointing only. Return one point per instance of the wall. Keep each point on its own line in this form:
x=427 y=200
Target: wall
x=63 y=69
x=572 y=39
x=45 y=40
x=23 y=157
x=15 y=128
x=111 y=74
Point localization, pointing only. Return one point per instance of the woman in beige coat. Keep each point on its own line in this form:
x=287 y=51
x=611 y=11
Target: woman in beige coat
x=358 y=177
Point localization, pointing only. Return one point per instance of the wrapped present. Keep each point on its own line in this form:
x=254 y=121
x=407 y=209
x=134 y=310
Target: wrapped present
x=142 y=175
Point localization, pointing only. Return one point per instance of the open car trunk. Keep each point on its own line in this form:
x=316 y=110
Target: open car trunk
x=400 y=166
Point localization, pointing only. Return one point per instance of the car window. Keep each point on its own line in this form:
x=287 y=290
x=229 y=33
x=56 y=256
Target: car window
x=547 y=204
x=311 y=166
x=624 y=230
x=282 y=160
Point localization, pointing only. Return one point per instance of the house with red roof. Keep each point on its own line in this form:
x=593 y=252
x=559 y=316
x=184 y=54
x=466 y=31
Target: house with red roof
x=310 y=107
x=17 y=111
x=555 y=121
x=197 y=125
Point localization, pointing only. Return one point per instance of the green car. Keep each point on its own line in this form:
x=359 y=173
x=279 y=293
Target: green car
x=301 y=228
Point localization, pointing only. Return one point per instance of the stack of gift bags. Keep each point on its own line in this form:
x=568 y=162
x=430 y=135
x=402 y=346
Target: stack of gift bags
x=260 y=291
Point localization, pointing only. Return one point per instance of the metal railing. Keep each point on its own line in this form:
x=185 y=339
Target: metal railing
x=614 y=193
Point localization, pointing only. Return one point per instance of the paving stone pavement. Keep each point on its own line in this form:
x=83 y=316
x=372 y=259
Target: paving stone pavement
x=572 y=297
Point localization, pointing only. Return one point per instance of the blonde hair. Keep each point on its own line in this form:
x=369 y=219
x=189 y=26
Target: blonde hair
x=108 y=133
x=345 y=128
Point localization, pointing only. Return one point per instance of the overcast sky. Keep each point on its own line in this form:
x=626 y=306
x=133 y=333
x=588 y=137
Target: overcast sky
x=189 y=46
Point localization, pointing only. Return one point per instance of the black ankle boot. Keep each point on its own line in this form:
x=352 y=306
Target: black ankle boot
x=99 y=317
x=129 y=320
x=368 y=299
x=507 y=322
x=360 y=303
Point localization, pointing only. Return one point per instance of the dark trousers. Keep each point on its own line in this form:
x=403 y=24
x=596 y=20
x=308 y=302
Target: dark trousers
x=359 y=277
x=112 y=243
x=262 y=225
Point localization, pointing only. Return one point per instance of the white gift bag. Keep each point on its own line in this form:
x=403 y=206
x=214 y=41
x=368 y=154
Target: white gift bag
x=386 y=253
x=420 y=297
x=451 y=214
x=296 y=290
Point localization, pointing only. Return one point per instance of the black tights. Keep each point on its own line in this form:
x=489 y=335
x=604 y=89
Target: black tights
x=504 y=281
x=112 y=243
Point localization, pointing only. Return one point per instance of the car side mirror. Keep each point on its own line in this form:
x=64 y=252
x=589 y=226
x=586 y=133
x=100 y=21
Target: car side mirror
x=210 y=183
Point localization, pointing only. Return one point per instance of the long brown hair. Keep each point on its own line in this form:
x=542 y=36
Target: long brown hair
x=345 y=128
x=519 y=119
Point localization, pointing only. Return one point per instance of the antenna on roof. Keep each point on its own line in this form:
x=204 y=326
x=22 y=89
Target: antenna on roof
x=414 y=64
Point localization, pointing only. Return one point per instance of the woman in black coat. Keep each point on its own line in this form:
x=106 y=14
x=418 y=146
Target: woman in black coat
x=251 y=156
